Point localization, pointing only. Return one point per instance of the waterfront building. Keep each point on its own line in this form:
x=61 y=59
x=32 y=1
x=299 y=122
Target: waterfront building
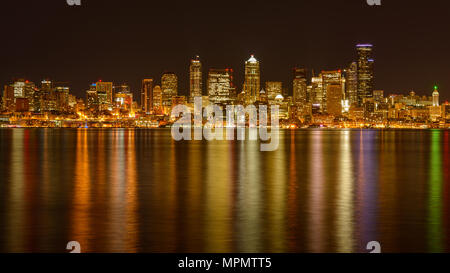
x=195 y=79
x=364 y=72
x=252 y=82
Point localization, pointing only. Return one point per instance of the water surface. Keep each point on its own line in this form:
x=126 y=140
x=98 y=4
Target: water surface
x=119 y=190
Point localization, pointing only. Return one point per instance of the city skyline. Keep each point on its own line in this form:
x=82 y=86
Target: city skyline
x=201 y=80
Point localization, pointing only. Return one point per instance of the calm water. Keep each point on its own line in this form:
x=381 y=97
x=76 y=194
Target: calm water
x=140 y=191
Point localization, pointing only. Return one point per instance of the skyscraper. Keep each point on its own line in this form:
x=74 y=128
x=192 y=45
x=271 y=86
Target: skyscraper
x=91 y=98
x=351 y=83
x=334 y=99
x=435 y=96
x=299 y=87
x=220 y=86
x=19 y=88
x=195 y=78
x=169 y=86
x=104 y=94
x=252 y=80
x=157 y=100
x=365 y=72
x=273 y=89
x=330 y=78
x=147 y=95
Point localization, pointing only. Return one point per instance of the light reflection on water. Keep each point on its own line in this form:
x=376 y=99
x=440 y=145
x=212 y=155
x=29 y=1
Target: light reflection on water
x=121 y=190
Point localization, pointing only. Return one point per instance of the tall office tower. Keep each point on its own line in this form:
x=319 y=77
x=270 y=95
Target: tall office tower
x=61 y=91
x=221 y=89
x=195 y=78
x=147 y=95
x=351 y=84
x=19 y=88
x=435 y=96
x=273 y=89
x=123 y=97
x=316 y=91
x=334 y=99
x=91 y=98
x=105 y=95
x=330 y=78
x=29 y=90
x=157 y=99
x=365 y=72
x=36 y=102
x=252 y=80
x=46 y=87
x=299 y=87
x=169 y=86
x=8 y=98
x=48 y=102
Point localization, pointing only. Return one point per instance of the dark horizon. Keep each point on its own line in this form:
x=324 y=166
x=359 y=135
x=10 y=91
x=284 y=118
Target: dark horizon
x=132 y=40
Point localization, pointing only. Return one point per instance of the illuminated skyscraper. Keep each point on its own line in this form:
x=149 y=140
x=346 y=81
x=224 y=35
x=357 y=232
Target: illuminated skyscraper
x=316 y=94
x=252 y=82
x=91 y=98
x=147 y=95
x=351 y=84
x=61 y=93
x=157 y=99
x=19 y=88
x=273 y=89
x=330 y=78
x=299 y=87
x=8 y=98
x=334 y=99
x=220 y=86
x=104 y=95
x=365 y=72
x=169 y=86
x=435 y=96
x=195 y=78
x=48 y=100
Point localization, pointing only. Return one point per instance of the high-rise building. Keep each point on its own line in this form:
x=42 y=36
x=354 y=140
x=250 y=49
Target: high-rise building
x=47 y=99
x=330 y=78
x=435 y=96
x=334 y=99
x=19 y=88
x=105 y=95
x=169 y=86
x=195 y=78
x=316 y=94
x=365 y=72
x=8 y=98
x=91 y=98
x=273 y=89
x=61 y=93
x=123 y=97
x=221 y=89
x=157 y=100
x=351 y=84
x=147 y=95
x=299 y=87
x=252 y=82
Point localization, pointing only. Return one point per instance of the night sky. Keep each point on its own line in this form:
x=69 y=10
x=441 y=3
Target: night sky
x=126 y=41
